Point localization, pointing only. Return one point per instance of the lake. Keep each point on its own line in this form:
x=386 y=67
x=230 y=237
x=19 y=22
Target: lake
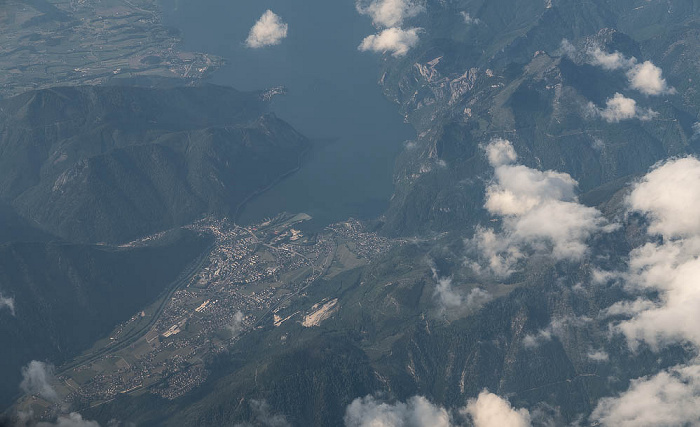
x=333 y=98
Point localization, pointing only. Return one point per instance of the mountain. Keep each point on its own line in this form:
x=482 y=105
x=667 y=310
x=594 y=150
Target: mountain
x=89 y=164
x=108 y=164
x=525 y=71
x=519 y=261
x=15 y=228
x=66 y=296
x=508 y=75
x=389 y=337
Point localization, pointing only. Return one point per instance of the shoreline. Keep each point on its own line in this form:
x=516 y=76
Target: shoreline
x=280 y=178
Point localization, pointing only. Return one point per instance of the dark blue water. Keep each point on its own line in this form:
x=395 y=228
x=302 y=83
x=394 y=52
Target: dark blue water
x=333 y=96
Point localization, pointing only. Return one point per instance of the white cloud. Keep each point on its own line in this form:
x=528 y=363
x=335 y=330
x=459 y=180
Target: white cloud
x=619 y=108
x=558 y=327
x=263 y=416
x=36 y=379
x=696 y=130
x=610 y=61
x=416 y=412
x=533 y=341
x=490 y=410
x=476 y=298
x=666 y=275
x=446 y=295
x=389 y=13
x=487 y=410
x=598 y=355
x=268 y=31
x=500 y=152
x=7 y=302
x=539 y=211
x=669 y=398
x=395 y=40
x=567 y=48
x=500 y=253
x=450 y=299
x=598 y=144
x=671 y=269
x=669 y=196
x=237 y=325
x=73 y=419
x=468 y=19
x=646 y=78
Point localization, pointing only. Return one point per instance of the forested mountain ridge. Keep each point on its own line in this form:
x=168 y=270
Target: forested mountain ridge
x=113 y=163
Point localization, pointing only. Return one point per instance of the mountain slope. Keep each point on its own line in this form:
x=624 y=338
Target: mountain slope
x=113 y=163
x=543 y=339
x=67 y=296
x=509 y=75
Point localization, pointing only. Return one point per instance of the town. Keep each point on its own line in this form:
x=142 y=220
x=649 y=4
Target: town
x=238 y=285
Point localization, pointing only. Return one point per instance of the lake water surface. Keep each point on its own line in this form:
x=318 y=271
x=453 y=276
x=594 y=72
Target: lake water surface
x=333 y=98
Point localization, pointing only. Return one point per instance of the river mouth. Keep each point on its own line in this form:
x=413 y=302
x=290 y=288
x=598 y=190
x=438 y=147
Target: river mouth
x=333 y=98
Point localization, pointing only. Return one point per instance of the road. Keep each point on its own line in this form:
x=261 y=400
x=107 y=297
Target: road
x=182 y=280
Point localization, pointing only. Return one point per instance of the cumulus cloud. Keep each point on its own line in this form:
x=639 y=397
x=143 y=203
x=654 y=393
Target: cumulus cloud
x=558 y=327
x=669 y=398
x=566 y=48
x=237 y=325
x=666 y=273
x=468 y=19
x=598 y=355
x=487 y=410
x=670 y=273
x=669 y=196
x=389 y=13
x=645 y=77
x=446 y=295
x=36 y=379
x=610 y=61
x=539 y=212
x=450 y=299
x=415 y=412
x=397 y=41
x=73 y=419
x=500 y=152
x=7 y=303
x=268 y=31
x=619 y=108
x=263 y=416
x=490 y=410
